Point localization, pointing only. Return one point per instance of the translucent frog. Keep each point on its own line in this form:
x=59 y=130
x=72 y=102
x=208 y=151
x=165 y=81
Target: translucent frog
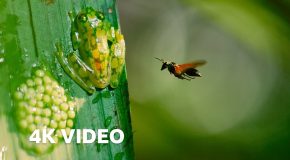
x=99 y=51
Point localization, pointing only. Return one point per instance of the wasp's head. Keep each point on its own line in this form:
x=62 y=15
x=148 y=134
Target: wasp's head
x=169 y=66
x=164 y=66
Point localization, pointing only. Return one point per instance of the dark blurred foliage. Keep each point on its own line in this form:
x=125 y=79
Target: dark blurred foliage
x=239 y=109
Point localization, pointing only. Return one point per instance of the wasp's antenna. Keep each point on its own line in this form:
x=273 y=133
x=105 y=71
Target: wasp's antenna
x=159 y=59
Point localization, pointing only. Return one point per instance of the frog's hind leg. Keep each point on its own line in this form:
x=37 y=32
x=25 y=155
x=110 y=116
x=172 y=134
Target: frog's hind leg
x=74 y=68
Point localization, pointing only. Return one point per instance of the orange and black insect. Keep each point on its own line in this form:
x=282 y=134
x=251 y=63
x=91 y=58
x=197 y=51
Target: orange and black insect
x=183 y=71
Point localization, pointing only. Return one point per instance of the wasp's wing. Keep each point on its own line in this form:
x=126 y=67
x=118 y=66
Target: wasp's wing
x=189 y=68
x=182 y=68
x=193 y=64
x=192 y=72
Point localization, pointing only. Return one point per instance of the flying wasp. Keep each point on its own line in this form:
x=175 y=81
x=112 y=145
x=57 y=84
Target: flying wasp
x=183 y=71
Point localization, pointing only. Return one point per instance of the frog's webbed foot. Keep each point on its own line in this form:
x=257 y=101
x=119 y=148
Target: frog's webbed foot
x=74 y=34
x=75 y=68
x=72 y=14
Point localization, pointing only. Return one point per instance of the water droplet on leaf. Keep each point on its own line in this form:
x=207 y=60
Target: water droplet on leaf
x=119 y=156
x=106 y=94
x=108 y=121
x=96 y=99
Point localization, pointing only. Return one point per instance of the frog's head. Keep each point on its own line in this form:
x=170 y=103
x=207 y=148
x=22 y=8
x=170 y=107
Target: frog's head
x=89 y=18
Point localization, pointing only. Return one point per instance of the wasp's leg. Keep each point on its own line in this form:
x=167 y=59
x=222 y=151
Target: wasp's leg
x=187 y=76
x=75 y=68
x=183 y=77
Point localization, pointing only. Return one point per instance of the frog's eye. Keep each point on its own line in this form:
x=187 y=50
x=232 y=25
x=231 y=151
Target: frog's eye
x=82 y=18
x=100 y=15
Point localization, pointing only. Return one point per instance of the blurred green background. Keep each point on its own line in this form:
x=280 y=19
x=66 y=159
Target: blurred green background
x=240 y=108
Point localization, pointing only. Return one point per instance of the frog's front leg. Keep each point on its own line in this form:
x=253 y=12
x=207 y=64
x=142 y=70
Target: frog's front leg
x=75 y=68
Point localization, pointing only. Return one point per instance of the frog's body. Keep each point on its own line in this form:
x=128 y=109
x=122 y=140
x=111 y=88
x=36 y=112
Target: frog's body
x=90 y=34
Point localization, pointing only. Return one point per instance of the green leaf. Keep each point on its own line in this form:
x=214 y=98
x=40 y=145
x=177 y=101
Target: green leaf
x=29 y=29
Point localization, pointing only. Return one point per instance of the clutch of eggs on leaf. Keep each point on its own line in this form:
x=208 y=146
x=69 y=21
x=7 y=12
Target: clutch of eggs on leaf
x=41 y=103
